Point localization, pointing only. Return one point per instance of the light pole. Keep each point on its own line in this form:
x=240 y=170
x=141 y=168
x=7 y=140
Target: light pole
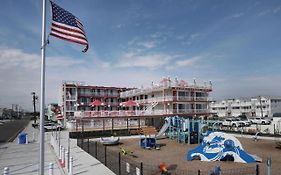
x=34 y=98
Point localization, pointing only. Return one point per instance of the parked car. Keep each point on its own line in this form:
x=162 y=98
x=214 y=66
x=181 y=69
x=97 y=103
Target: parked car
x=246 y=122
x=234 y=122
x=52 y=126
x=260 y=120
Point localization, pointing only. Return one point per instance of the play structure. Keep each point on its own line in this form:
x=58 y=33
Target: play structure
x=185 y=130
x=151 y=135
x=110 y=141
x=218 y=146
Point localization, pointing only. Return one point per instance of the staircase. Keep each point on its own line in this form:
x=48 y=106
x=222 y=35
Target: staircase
x=148 y=108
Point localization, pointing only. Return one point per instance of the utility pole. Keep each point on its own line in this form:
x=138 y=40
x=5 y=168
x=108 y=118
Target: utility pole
x=261 y=106
x=34 y=98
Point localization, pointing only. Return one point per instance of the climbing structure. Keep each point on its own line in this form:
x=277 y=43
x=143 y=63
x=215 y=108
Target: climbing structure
x=221 y=146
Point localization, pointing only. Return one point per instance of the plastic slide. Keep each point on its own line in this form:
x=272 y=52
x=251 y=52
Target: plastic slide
x=164 y=128
x=218 y=146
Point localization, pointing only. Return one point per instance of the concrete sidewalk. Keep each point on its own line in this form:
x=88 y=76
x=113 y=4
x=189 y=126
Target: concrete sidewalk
x=24 y=158
x=83 y=163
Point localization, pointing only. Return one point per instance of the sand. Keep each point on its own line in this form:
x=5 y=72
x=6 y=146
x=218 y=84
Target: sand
x=173 y=153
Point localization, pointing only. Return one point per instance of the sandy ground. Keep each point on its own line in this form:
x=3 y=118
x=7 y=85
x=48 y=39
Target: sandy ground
x=173 y=153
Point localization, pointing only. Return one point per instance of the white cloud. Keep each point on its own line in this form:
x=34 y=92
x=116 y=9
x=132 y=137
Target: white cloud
x=63 y=61
x=277 y=9
x=120 y=26
x=187 y=62
x=270 y=11
x=147 y=44
x=237 y=15
x=15 y=58
x=20 y=75
x=181 y=37
x=150 y=61
x=265 y=12
x=194 y=35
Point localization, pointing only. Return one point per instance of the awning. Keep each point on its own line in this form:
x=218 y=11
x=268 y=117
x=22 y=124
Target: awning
x=129 y=103
x=59 y=117
x=97 y=103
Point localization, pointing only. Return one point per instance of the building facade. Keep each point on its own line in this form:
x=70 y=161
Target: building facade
x=256 y=106
x=77 y=96
x=168 y=97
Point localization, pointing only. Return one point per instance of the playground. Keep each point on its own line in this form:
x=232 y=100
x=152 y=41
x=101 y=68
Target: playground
x=173 y=153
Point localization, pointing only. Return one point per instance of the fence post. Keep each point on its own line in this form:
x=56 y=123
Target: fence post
x=6 y=171
x=198 y=172
x=257 y=169
x=119 y=163
x=105 y=156
x=66 y=160
x=141 y=168
x=268 y=166
x=88 y=144
x=60 y=153
x=63 y=157
x=51 y=168
x=96 y=149
x=70 y=172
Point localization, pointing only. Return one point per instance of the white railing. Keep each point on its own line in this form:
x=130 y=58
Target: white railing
x=149 y=111
x=160 y=87
x=185 y=98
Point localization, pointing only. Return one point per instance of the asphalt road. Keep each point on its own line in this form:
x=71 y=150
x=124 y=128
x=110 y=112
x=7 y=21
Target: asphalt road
x=10 y=129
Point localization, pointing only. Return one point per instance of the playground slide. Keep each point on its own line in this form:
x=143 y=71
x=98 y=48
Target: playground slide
x=164 y=128
x=219 y=146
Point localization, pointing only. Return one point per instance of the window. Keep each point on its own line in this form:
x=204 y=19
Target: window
x=235 y=107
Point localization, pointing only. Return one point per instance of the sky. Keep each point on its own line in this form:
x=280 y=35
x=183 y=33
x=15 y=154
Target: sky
x=235 y=44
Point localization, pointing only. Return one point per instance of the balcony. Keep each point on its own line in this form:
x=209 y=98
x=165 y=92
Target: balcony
x=137 y=112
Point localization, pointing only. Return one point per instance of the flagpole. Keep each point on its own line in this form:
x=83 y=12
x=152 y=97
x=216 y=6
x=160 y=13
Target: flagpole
x=42 y=91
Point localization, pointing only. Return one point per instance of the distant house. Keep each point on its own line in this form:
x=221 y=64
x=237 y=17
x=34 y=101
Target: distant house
x=261 y=106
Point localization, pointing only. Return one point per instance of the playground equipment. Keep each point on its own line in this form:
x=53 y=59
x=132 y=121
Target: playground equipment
x=126 y=152
x=255 y=137
x=110 y=141
x=151 y=135
x=184 y=130
x=166 y=169
x=221 y=146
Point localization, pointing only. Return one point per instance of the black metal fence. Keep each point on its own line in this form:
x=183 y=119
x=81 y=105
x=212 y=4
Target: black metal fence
x=122 y=165
x=117 y=163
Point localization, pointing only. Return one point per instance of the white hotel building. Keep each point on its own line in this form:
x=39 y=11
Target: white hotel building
x=166 y=98
x=261 y=106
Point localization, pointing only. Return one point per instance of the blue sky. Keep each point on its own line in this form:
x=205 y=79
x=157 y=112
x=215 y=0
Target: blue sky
x=236 y=44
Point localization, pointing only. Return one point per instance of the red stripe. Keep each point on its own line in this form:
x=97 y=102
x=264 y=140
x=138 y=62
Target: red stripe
x=69 y=29
x=67 y=39
x=68 y=34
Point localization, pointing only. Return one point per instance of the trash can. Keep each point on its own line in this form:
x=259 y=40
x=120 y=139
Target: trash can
x=22 y=138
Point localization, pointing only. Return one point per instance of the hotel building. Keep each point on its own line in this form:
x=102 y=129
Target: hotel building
x=256 y=106
x=166 y=98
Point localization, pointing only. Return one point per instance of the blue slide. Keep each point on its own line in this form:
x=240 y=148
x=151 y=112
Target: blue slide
x=220 y=146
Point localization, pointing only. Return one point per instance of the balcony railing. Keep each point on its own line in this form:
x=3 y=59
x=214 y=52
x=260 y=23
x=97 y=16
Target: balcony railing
x=137 y=112
x=154 y=88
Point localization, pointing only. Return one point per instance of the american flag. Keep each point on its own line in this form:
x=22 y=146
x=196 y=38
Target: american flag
x=67 y=27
